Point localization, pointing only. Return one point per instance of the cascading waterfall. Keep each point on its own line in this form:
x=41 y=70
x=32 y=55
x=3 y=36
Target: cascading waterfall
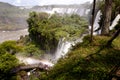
x=64 y=47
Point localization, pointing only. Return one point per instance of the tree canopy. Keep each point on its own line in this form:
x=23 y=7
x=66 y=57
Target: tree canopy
x=7 y=60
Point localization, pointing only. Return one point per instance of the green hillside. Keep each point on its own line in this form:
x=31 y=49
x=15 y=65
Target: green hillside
x=11 y=17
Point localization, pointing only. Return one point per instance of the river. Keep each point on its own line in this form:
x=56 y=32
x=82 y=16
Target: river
x=12 y=35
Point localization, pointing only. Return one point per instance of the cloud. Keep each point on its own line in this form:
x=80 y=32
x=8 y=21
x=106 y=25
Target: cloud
x=43 y=2
x=18 y=1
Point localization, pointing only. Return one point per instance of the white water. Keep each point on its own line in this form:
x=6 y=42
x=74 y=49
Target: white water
x=80 y=11
x=115 y=21
x=96 y=24
x=64 y=47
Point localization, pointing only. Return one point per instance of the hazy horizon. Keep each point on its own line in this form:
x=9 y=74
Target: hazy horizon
x=43 y=2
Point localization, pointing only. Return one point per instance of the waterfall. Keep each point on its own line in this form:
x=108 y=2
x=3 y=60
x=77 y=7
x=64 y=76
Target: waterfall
x=96 y=23
x=64 y=47
x=115 y=21
x=82 y=11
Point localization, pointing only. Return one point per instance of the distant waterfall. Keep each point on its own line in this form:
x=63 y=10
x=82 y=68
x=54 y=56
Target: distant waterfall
x=82 y=11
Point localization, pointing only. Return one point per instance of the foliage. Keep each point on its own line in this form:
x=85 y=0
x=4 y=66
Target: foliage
x=7 y=62
x=31 y=50
x=10 y=47
x=87 y=61
x=115 y=10
x=46 y=30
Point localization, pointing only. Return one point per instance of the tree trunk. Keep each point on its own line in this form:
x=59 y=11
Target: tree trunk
x=106 y=17
x=93 y=17
x=114 y=36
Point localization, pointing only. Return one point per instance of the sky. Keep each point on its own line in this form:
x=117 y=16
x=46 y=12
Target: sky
x=43 y=2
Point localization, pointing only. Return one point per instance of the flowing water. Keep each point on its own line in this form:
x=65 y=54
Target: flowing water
x=96 y=23
x=12 y=35
x=115 y=21
x=64 y=47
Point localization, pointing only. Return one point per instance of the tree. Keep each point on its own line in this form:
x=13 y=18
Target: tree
x=115 y=8
x=116 y=34
x=106 y=17
x=10 y=47
x=93 y=16
x=7 y=62
x=33 y=50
